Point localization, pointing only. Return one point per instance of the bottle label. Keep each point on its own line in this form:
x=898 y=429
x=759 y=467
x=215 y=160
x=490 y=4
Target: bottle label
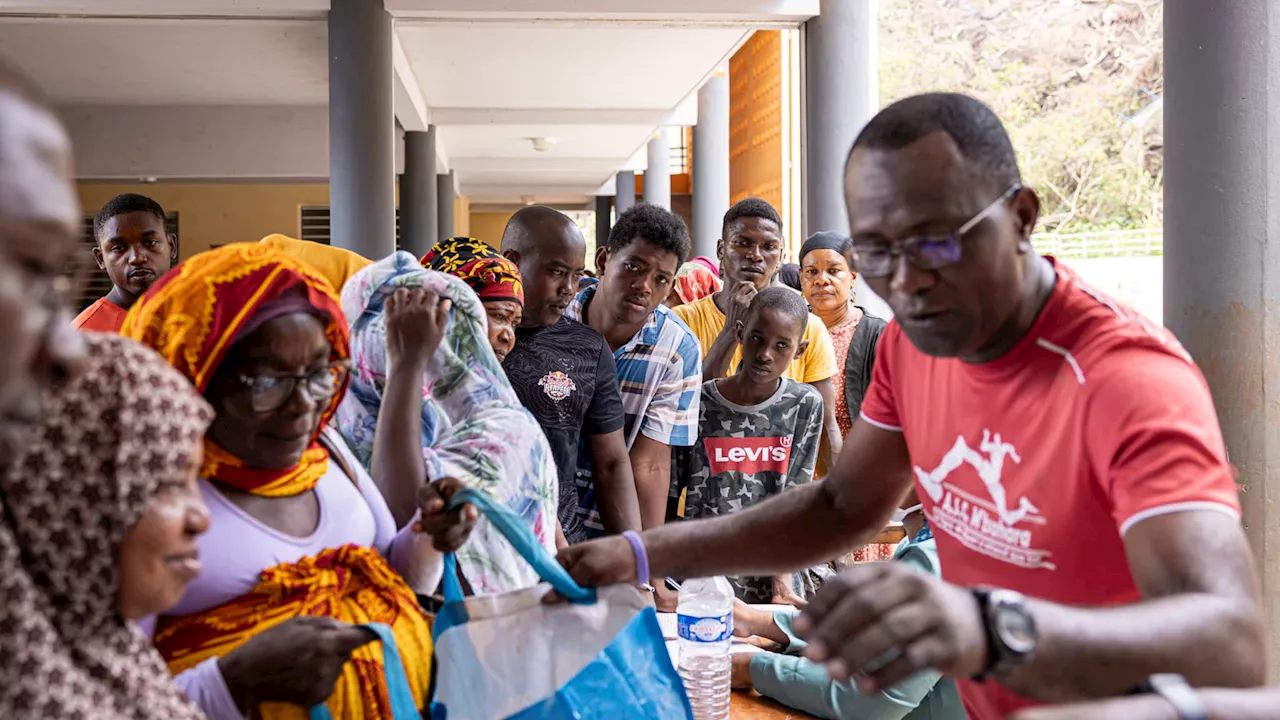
x=705 y=629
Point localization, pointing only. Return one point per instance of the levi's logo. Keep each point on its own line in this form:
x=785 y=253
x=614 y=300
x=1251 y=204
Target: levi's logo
x=748 y=455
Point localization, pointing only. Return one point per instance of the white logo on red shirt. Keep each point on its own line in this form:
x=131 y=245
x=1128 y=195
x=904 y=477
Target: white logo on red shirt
x=986 y=526
x=748 y=455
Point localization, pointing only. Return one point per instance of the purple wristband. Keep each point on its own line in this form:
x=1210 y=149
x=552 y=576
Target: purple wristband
x=642 y=557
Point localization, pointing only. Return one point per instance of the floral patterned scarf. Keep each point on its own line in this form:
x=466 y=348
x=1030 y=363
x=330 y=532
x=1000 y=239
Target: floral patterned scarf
x=473 y=425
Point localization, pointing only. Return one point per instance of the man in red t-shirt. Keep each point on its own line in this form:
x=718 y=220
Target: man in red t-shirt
x=1065 y=450
x=133 y=246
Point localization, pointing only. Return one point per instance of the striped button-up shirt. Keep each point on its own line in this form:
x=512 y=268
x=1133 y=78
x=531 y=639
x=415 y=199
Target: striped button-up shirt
x=660 y=378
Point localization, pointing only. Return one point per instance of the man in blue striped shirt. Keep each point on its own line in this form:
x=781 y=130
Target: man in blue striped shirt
x=658 y=357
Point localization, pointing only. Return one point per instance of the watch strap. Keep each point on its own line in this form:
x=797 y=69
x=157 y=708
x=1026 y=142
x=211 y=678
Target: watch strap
x=983 y=596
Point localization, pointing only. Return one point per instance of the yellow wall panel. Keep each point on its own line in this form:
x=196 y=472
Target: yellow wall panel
x=488 y=226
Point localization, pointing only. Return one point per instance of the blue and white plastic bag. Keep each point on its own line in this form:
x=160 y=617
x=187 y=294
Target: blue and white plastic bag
x=600 y=656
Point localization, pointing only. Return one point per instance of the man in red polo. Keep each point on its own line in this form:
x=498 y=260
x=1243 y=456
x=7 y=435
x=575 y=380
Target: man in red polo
x=1065 y=450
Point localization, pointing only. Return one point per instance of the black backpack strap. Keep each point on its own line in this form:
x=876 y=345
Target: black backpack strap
x=860 y=360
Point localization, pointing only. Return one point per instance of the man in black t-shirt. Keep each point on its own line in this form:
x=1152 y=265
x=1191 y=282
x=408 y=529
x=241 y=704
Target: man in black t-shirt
x=564 y=371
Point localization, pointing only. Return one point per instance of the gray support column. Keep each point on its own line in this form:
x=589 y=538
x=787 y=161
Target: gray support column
x=657 y=174
x=710 y=164
x=418 y=216
x=361 y=129
x=840 y=89
x=1222 y=242
x=604 y=204
x=624 y=192
x=444 y=205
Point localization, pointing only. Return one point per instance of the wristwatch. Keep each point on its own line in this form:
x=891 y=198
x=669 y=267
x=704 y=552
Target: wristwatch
x=1175 y=690
x=1010 y=628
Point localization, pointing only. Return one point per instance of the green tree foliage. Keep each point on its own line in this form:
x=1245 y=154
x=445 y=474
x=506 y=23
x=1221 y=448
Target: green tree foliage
x=1079 y=84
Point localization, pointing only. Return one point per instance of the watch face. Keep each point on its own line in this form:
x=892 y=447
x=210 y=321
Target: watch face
x=1016 y=629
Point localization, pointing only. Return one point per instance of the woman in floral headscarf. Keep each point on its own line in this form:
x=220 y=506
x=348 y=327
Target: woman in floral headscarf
x=473 y=425
x=101 y=513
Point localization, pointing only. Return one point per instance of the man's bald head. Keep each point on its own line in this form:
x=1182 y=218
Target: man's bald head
x=551 y=253
x=536 y=226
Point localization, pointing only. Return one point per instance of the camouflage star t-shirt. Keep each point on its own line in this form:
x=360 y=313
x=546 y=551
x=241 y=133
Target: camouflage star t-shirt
x=745 y=454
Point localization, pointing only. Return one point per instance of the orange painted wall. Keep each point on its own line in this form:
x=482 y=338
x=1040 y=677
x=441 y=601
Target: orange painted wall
x=755 y=119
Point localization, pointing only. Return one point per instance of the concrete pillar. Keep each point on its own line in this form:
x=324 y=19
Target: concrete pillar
x=624 y=192
x=840 y=96
x=604 y=204
x=657 y=174
x=418 y=214
x=444 y=205
x=1222 y=242
x=362 y=178
x=710 y=164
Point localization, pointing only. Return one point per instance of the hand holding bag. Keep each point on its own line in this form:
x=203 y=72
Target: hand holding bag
x=600 y=656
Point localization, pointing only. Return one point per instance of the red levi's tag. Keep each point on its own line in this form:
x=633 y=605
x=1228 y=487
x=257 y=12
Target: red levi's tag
x=748 y=455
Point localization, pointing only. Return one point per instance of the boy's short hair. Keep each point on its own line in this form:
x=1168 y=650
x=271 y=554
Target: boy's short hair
x=123 y=204
x=752 y=207
x=655 y=225
x=783 y=299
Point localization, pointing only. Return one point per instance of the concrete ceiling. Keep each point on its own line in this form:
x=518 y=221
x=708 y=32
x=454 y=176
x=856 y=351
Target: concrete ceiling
x=598 y=77
x=172 y=62
x=598 y=88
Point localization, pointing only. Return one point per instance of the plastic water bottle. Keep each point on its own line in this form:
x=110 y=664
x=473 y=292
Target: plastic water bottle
x=705 y=619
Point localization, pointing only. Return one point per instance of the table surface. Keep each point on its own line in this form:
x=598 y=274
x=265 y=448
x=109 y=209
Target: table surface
x=751 y=706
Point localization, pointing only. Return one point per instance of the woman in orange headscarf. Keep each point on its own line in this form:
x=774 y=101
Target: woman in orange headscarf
x=302 y=543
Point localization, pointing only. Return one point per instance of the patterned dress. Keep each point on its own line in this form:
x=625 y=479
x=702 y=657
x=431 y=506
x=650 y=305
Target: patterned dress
x=841 y=335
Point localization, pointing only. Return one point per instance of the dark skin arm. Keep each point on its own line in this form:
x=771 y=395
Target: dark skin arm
x=832 y=440
x=819 y=520
x=416 y=321
x=1258 y=704
x=651 y=465
x=734 y=302
x=615 y=485
x=1199 y=618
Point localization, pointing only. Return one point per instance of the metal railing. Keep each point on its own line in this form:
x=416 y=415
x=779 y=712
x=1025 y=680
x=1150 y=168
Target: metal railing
x=1111 y=243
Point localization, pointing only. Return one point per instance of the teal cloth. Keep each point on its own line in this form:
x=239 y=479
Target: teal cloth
x=804 y=685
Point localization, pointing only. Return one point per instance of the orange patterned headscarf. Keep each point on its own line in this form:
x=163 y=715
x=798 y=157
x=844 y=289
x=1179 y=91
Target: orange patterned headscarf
x=195 y=313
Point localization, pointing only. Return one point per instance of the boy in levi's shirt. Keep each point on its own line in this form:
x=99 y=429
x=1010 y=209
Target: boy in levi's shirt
x=758 y=432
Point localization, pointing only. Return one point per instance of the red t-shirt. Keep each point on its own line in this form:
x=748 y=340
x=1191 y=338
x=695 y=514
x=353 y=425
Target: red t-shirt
x=103 y=316
x=1032 y=467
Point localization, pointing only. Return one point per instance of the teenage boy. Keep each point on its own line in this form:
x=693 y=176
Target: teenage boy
x=750 y=252
x=658 y=358
x=759 y=430
x=131 y=244
x=564 y=373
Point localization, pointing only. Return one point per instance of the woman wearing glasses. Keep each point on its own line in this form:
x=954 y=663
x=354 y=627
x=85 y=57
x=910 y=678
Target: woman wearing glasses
x=302 y=544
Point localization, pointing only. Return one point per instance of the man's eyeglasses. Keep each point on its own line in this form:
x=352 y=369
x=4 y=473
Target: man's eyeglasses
x=271 y=392
x=927 y=252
